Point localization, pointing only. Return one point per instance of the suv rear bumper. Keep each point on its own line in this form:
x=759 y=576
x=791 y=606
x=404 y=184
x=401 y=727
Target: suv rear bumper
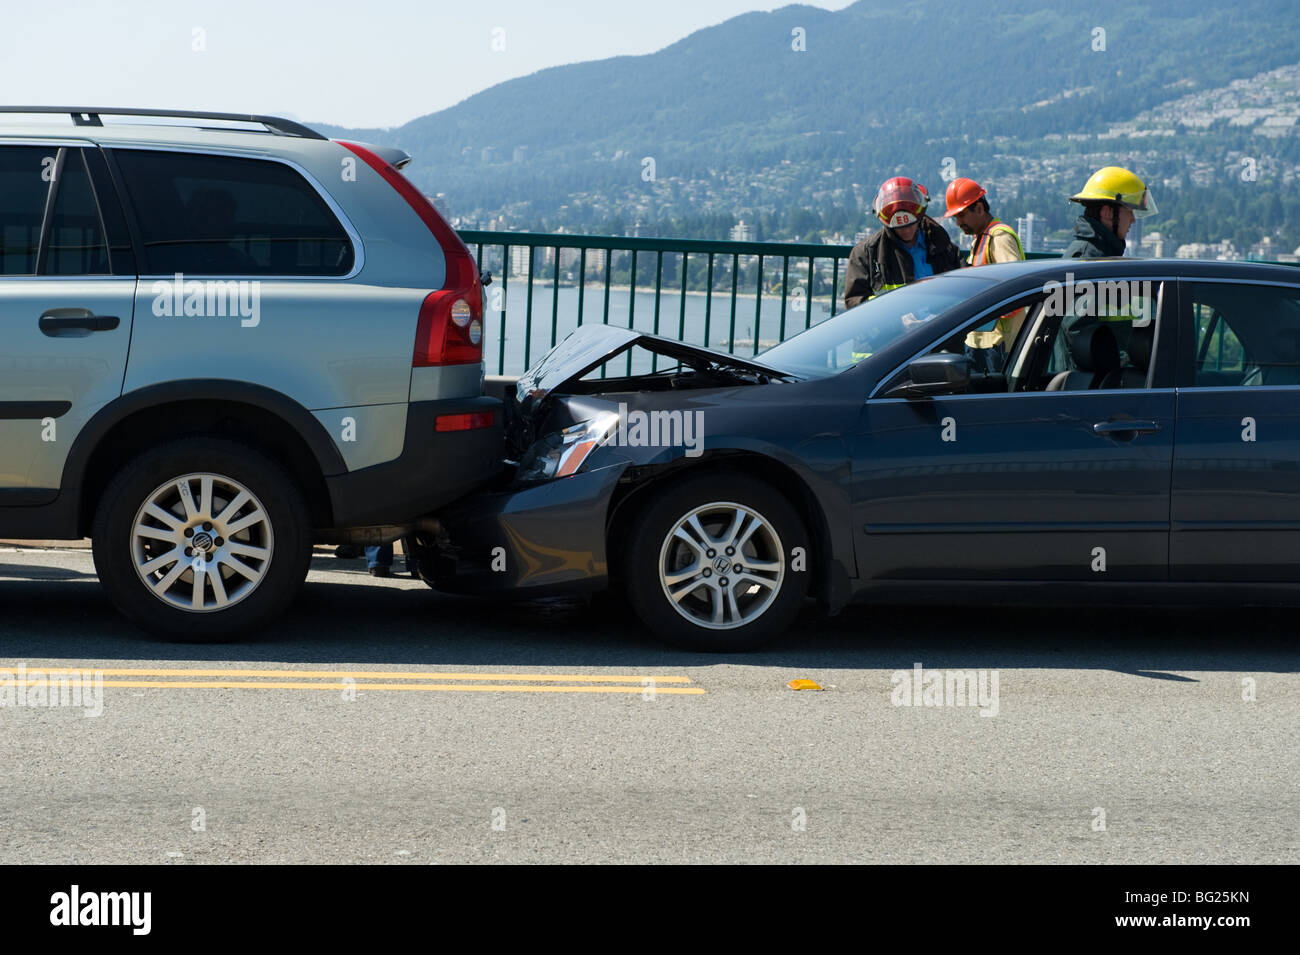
x=434 y=468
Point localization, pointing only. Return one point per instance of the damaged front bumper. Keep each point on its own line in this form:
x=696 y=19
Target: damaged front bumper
x=546 y=538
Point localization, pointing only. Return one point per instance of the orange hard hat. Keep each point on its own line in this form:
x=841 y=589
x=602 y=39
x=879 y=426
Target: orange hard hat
x=961 y=193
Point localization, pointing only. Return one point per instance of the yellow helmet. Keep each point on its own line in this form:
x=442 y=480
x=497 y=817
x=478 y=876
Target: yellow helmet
x=1113 y=184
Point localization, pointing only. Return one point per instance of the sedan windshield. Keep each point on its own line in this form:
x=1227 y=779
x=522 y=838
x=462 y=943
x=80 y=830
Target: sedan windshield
x=841 y=342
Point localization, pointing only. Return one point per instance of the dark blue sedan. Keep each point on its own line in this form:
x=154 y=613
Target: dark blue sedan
x=1050 y=431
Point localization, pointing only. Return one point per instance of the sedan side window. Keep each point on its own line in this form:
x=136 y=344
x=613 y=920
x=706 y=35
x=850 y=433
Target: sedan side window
x=1246 y=335
x=1218 y=349
x=1080 y=336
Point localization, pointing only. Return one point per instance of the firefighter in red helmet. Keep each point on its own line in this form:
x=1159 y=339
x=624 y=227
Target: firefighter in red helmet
x=911 y=245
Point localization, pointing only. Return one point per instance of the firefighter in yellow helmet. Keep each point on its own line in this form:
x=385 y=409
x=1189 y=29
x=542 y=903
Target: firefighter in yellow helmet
x=1111 y=200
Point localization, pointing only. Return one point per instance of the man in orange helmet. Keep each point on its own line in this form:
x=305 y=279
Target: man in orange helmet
x=995 y=241
x=911 y=246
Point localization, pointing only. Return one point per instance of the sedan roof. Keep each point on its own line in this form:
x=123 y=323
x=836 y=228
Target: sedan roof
x=1111 y=267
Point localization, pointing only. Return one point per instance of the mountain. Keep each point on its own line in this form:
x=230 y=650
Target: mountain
x=738 y=118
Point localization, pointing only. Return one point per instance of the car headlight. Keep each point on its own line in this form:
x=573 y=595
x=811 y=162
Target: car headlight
x=564 y=452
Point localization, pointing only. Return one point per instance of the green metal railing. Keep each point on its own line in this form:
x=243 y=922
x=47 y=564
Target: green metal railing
x=807 y=272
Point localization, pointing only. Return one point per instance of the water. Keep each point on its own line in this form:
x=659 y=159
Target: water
x=671 y=323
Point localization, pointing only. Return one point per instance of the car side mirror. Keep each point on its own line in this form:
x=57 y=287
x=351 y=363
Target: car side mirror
x=938 y=374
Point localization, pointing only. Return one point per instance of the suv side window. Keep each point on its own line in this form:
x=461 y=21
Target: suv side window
x=226 y=215
x=75 y=244
x=25 y=176
x=1246 y=335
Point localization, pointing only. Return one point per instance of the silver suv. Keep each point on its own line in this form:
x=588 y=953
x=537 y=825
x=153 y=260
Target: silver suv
x=222 y=338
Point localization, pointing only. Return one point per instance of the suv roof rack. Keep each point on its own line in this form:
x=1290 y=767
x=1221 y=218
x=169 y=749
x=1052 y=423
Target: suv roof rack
x=89 y=116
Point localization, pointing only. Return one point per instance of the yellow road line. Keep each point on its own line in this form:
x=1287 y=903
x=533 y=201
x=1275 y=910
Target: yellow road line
x=498 y=688
x=372 y=675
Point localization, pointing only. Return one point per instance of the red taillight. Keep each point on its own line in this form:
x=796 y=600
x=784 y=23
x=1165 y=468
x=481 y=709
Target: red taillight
x=464 y=422
x=450 y=331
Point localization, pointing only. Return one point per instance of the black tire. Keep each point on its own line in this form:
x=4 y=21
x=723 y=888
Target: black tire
x=284 y=526
x=419 y=551
x=725 y=496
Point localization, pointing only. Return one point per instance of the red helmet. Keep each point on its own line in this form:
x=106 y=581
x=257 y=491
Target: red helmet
x=900 y=202
x=962 y=193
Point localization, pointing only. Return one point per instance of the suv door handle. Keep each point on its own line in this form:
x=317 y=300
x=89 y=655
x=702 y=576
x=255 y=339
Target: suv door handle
x=58 y=320
x=1125 y=425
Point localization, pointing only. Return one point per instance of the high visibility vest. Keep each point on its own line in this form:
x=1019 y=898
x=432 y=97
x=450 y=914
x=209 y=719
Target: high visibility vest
x=883 y=290
x=1002 y=335
x=979 y=253
x=1008 y=325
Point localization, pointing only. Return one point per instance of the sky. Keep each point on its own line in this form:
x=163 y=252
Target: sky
x=358 y=63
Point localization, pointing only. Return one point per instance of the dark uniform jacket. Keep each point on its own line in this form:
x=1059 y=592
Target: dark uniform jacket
x=1093 y=240
x=880 y=262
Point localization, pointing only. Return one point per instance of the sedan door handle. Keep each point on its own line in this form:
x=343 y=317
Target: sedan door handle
x=1125 y=426
x=58 y=320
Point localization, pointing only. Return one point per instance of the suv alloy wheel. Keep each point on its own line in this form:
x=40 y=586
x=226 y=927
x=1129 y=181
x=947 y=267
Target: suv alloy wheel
x=202 y=539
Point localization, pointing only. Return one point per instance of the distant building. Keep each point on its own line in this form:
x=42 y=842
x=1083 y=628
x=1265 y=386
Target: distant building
x=519 y=260
x=1263 y=249
x=568 y=257
x=489 y=154
x=742 y=232
x=1223 y=250
x=1271 y=251
x=1133 y=240
x=1025 y=229
x=521 y=154
x=1153 y=245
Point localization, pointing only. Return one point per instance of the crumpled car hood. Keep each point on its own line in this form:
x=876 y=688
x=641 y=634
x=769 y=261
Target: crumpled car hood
x=590 y=346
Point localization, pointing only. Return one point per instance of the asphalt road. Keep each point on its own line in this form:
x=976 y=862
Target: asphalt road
x=380 y=722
